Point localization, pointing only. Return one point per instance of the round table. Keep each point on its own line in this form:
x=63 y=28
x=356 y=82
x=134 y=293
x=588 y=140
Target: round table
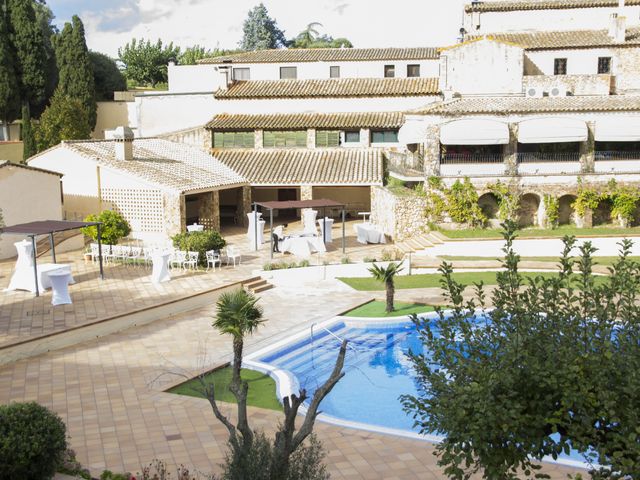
x=60 y=280
x=160 y=272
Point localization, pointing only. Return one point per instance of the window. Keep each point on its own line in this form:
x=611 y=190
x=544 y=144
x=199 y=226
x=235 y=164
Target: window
x=352 y=137
x=233 y=140
x=389 y=71
x=413 y=70
x=560 y=66
x=384 y=136
x=604 y=65
x=288 y=73
x=241 y=74
x=291 y=138
x=327 y=138
x=334 y=72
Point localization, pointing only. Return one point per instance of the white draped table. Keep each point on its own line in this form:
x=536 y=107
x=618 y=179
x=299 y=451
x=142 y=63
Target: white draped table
x=160 y=272
x=251 y=231
x=23 y=276
x=302 y=246
x=60 y=281
x=369 y=233
x=326 y=236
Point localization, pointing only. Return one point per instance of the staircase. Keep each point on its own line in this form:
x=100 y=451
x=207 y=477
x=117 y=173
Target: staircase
x=256 y=285
x=420 y=242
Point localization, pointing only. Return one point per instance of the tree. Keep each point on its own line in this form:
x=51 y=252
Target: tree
x=311 y=38
x=29 y=143
x=114 y=227
x=9 y=85
x=107 y=77
x=552 y=367
x=45 y=17
x=260 y=31
x=251 y=454
x=386 y=275
x=191 y=55
x=145 y=63
x=74 y=68
x=64 y=119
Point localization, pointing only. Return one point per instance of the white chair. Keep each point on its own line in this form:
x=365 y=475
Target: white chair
x=110 y=253
x=95 y=252
x=191 y=261
x=233 y=254
x=135 y=254
x=177 y=259
x=213 y=257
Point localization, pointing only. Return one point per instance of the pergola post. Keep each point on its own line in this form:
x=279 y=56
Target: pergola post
x=35 y=263
x=99 y=226
x=53 y=247
x=271 y=231
x=255 y=225
x=344 y=247
x=324 y=225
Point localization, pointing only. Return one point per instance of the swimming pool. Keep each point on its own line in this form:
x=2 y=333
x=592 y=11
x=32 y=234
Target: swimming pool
x=377 y=371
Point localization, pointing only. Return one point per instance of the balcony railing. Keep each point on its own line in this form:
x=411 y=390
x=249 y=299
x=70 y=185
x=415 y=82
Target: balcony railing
x=613 y=155
x=537 y=157
x=466 y=158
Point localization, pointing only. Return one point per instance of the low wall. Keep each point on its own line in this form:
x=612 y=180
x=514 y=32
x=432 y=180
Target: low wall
x=399 y=216
x=11 y=151
x=576 y=84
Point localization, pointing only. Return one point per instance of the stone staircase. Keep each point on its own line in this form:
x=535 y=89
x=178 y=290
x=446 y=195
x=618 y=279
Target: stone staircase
x=256 y=285
x=420 y=242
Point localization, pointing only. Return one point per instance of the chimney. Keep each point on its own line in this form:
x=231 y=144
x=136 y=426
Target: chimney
x=617 y=28
x=123 y=139
x=225 y=74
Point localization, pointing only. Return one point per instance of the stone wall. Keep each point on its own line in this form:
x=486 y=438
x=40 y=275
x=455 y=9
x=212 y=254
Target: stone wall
x=400 y=217
x=198 y=137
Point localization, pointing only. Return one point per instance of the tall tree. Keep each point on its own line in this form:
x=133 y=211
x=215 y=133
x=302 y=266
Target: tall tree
x=74 y=67
x=310 y=38
x=45 y=17
x=64 y=119
x=386 y=275
x=9 y=85
x=191 y=55
x=145 y=63
x=29 y=146
x=107 y=76
x=260 y=31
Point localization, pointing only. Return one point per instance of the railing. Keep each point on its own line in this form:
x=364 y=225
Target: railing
x=406 y=163
x=535 y=157
x=457 y=158
x=333 y=335
x=613 y=155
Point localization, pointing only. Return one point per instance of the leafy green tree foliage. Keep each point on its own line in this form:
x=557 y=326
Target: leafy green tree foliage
x=145 y=63
x=311 y=38
x=386 y=275
x=9 y=84
x=553 y=366
x=200 y=242
x=29 y=144
x=64 y=119
x=107 y=77
x=32 y=441
x=45 y=17
x=191 y=55
x=114 y=227
x=74 y=68
x=260 y=31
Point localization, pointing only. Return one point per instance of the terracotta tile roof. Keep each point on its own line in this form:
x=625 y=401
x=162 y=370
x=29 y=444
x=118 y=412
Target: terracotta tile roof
x=523 y=5
x=286 y=121
x=285 y=55
x=7 y=163
x=563 y=39
x=512 y=105
x=331 y=88
x=339 y=166
x=169 y=165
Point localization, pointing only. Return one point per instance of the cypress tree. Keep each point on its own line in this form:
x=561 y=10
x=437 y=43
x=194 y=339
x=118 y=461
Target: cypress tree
x=29 y=148
x=9 y=88
x=74 y=68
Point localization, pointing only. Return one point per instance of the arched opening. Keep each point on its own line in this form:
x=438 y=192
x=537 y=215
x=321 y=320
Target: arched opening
x=488 y=203
x=566 y=212
x=528 y=211
x=602 y=213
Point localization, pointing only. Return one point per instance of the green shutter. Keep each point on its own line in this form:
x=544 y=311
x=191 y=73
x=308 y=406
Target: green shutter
x=301 y=138
x=247 y=140
x=218 y=140
x=268 y=139
x=321 y=138
x=333 y=139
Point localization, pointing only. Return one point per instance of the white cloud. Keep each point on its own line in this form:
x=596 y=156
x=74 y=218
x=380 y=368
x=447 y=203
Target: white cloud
x=367 y=23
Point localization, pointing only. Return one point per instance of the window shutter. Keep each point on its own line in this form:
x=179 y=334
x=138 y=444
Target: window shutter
x=269 y=139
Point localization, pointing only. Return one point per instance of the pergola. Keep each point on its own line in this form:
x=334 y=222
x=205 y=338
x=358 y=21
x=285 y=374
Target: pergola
x=320 y=203
x=49 y=227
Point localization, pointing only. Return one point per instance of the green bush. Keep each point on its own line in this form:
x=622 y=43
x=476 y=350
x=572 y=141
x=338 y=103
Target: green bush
x=114 y=227
x=199 y=242
x=552 y=208
x=32 y=441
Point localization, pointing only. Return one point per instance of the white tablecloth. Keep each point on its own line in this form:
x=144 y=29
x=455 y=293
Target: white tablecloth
x=60 y=281
x=369 y=233
x=302 y=246
x=251 y=230
x=195 y=228
x=309 y=220
x=22 y=279
x=326 y=237
x=160 y=272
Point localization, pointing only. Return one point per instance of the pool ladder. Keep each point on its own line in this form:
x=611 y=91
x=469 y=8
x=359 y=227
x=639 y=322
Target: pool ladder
x=333 y=335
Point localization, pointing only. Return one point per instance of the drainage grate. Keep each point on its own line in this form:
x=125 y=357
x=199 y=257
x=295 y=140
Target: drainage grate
x=171 y=438
x=38 y=312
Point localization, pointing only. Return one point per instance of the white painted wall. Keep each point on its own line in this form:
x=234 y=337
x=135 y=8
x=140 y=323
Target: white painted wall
x=167 y=112
x=193 y=78
x=579 y=62
x=26 y=196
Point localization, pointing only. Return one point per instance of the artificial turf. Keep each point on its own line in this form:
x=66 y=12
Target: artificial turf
x=559 y=232
x=377 y=309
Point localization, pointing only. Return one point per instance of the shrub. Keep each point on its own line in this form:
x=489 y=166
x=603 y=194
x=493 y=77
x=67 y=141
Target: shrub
x=304 y=263
x=72 y=467
x=391 y=254
x=345 y=260
x=114 y=227
x=109 y=475
x=508 y=200
x=586 y=199
x=369 y=259
x=552 y=208
x=32 y=441
x=624 y=200
x=199 y=242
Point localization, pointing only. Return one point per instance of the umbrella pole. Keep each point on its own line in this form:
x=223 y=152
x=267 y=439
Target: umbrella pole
x=35 y=264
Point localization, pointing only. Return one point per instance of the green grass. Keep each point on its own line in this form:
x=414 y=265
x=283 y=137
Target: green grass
x=262 y=388
x=607 y=261
x=431 y=280
x=559 y=232
x=377 y=309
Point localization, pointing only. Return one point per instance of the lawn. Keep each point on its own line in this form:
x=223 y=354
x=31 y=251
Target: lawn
x=262 y=388
x=377 y=309
x=607 y=261
x=559 y=232
x=431 y=280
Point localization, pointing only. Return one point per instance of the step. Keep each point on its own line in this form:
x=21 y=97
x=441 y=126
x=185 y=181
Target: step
x=262 y=288
x=437 y=238
x=424 y=241
x=255 y=284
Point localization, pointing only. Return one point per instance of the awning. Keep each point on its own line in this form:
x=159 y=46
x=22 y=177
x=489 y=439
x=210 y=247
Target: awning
x=474 y=132
x=618 y=129
x=552 y=130
x=413 y=132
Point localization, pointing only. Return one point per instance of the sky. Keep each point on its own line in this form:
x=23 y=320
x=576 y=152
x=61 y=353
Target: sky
x=218 y=23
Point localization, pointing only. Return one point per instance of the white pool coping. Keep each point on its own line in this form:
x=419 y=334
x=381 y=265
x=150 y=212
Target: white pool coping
x=287 y=384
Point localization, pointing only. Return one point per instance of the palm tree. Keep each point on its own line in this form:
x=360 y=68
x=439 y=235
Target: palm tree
x=308 y=35
x=386 y=275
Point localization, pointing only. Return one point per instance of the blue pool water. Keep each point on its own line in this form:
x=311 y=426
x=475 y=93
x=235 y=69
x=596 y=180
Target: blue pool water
x=377 y=371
